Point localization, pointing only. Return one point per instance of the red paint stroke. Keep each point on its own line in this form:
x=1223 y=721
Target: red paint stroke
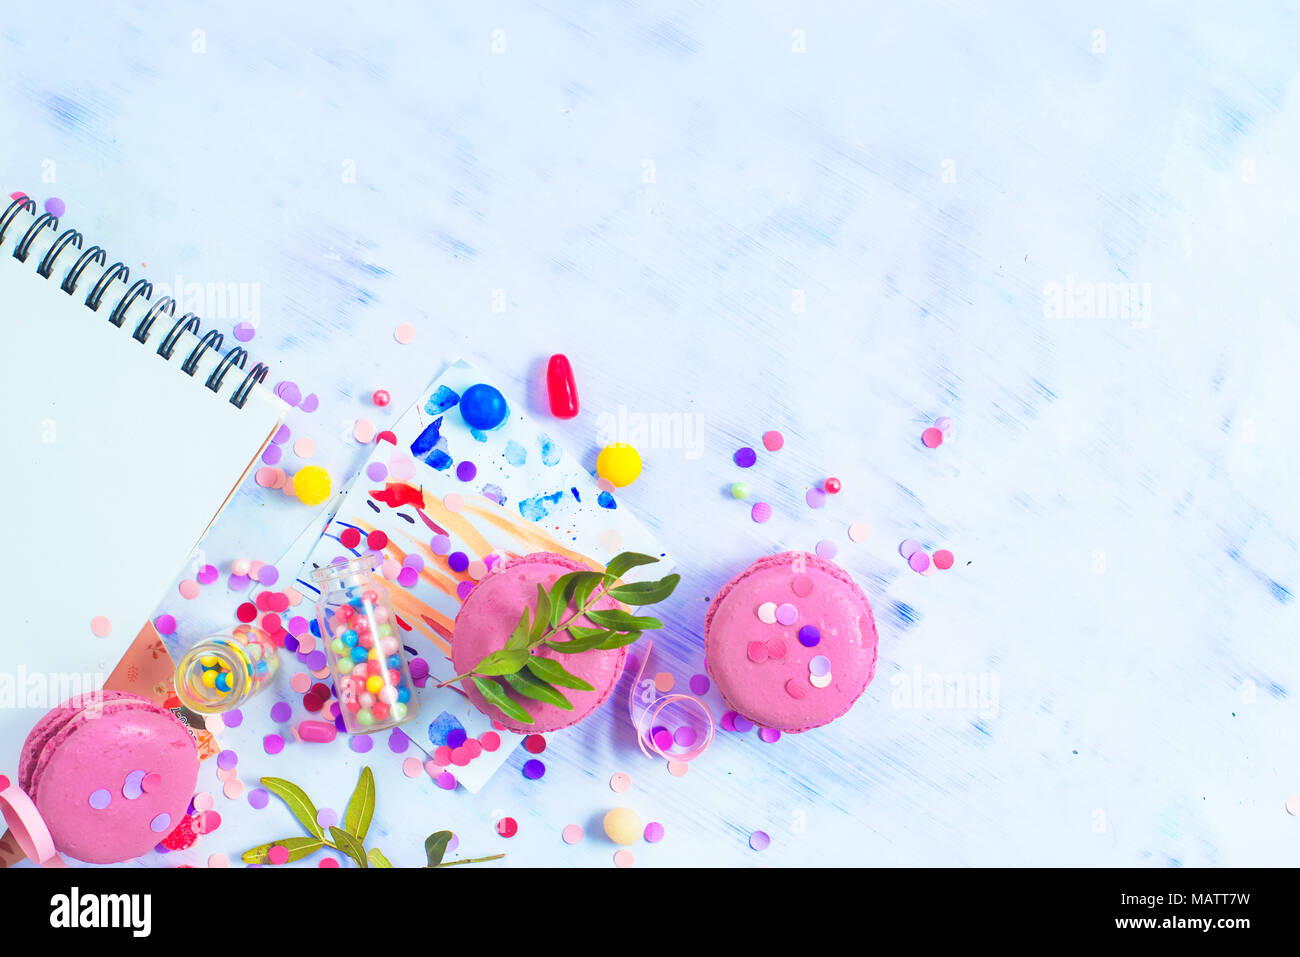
x=445 y=632
x=397 y=494
x=404 y=625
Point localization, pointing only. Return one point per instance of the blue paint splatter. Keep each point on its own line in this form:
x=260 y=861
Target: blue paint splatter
x=906 y=614
x=535 y=509
x=441 y=401
x=441 y=726
x=1280 y=592
x=427 y=439
x=494 y=492
x=439 y=460
x=550 y=451
x=576 y=496
x=516 y=454
x=605 y=500
x=478 y=436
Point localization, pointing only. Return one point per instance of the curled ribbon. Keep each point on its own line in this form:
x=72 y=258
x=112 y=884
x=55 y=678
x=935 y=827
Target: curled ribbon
x=656 y=705
x=28 y=827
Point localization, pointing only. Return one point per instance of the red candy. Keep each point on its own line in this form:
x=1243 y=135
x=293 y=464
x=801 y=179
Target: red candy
x=350 y=538
x=184 y=836
x=377 y=540
x=381 y=398
x=561 y=387
x=832 y=485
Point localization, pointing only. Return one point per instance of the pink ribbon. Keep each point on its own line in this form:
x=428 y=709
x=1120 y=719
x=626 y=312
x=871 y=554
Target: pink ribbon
x=28 y=827
x=652 y=709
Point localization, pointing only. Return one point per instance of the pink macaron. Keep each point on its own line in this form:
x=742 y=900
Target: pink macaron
x=111 y=774
x=790 y=642
x=490 y=614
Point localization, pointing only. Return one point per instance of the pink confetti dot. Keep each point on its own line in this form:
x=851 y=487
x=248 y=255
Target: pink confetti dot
x=796 y=688
x=684 y=737
x=273 y=743
x=769 y=735
x=728 y=721
x=453 y=502
x=218 y=860
x=802 y=585
x=304 y=448
x=268 y=477
x=775 y=649
x=278 y=854
x=203 y=801
x=919 y=561
x=363 y=431
x=761 y=512
x=463 y=590
x=404 y=333
x=100 y=626
x=166 y=625
x=943 y=559
x=412 y=767
x=447 y=781
x=233 y=789
x=624 y=859
x=757 y=651
x=654 y=832
x=932 y=438
x=678 y=768
x=859 y=532
x=328 y=862
x=572 y=833
x=773 y=440
x=619 y=782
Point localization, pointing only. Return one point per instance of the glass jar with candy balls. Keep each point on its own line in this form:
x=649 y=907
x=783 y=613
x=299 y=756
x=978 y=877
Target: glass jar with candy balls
x=222 y=671
x=361 y=638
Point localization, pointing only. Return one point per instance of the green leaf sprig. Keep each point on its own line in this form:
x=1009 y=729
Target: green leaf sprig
x=573 y=596
x=349 y=839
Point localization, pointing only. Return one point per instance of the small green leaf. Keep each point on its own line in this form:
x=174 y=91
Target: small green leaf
x=548 y=669
x=496 y=695
x=623 y=562
x=503 y=662
x=584 y=639
x=350 y=846
x=361 y=806
x=519 y=637
x=531 y=687
x=645 y=593
x=621 y=620
x=587 y=582
x=619 y=640
x=298 y=802
x=543 y=615
x=561 y=594
x=435 y=847
x=376 y=858
x=298 y=848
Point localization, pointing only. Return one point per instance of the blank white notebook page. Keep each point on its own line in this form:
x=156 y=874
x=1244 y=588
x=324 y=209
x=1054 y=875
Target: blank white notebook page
x=116 y=462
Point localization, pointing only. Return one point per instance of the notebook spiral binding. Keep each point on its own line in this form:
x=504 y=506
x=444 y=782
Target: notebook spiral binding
x=236 y=357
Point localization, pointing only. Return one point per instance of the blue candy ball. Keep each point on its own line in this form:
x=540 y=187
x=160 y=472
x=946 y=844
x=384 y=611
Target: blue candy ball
x=403 y=695
x=359 y=653
x=394 y=661
x=483 y=407
x=349 y=638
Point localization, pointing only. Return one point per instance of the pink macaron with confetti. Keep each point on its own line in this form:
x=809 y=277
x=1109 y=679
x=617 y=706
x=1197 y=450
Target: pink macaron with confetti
x=490 y=614
x=110 y=773
x=791 y=642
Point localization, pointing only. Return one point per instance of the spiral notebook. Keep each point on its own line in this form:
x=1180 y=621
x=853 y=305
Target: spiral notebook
x=125 y=430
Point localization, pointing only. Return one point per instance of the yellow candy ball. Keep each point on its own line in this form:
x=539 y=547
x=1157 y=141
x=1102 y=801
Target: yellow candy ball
x=619 y=463
x=209 y=661
x=311 y=485
x=374 y=684
x=209 y=679
x=623 y=825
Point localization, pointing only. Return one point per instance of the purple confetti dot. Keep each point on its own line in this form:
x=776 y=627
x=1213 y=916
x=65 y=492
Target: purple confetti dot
x=244 y=331
x=769 y=735
x=281 y=435
x=281 y=712
x=316 y=660
x=238 y=582
x=447 y=781
x=654 y=832
x=787 y=614
x=273 y=743
x=361 y=743
x=272 y=454
x=534 y=769
x=407 y=577
x=259 y=798
x=161 y=823
x=398 y=741
x=207 y=575
x=458 y=561
x=327 y=817
x=233 y=718
x=376 y=471
x=55 y=207
x=466 y=471
x=289 y=392
x=463 y=590
x=414 y=560
x=335 y=711
x=309 y=404
x=684 y=737
x=745 y=457
x=227 y=759
x=908 y=546
x=101 y=799
x=456 y=737
x=700 y=684
x=290 y=643
x=760 y=841
x=741 y=723
x=166 y=624
x=297 y=625
x=268 y=575
x=809 y=635
x=453 y=844
x=827 y=549
x=815 y=498
x=339 y=723
x=440 y=544
x=131 y=787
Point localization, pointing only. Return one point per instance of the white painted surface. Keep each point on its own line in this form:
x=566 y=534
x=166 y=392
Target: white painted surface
x=1123 y=488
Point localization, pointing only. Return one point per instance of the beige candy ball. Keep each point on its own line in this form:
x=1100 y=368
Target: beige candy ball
x=623 y=826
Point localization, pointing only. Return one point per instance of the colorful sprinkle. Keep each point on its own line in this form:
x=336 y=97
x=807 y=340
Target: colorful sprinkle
x=773 y=440
x=809 y=635
x=832 y=486
x=943 y=559
x=932 y=438
x=572 y=833
x=760 y=841
x=507 y=827
x=757 y=651
x=739 y=490
x=745 y=457
x=761 y=512
x=273 y=743
x=534 y=769
x=769 y=735
x=919 y=561
x=259 y=798
x=165 y=624
x=801 y=585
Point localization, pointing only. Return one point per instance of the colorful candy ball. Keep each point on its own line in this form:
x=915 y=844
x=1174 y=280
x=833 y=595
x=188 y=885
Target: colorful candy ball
x=483 y=407
x=739 y=490
x=381 y=398
x=832 y=485
x=623 y=826
x=312 y=485
x=619 y=463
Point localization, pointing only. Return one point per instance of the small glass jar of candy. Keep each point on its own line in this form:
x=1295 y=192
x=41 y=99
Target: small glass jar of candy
x=360 y=634
x=222 y=671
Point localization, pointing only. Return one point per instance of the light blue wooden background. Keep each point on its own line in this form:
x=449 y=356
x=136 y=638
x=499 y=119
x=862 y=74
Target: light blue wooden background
x=840 y=220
